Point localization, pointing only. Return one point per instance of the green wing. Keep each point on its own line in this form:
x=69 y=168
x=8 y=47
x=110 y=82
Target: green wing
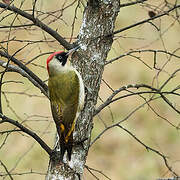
x=64 y=97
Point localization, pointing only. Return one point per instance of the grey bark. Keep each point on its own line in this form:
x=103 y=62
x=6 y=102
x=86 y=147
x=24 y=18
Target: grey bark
x=96 y=41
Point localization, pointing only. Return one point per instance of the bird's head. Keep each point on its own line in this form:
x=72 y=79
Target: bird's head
x=59 y=59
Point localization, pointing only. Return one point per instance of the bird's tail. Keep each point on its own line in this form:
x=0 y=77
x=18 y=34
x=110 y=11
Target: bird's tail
x=66 y=146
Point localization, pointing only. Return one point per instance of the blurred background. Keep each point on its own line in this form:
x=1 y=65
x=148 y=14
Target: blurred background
x=116 y=153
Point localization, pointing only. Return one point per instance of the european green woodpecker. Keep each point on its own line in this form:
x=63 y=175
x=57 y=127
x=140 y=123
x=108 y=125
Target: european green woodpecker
x=66 y=92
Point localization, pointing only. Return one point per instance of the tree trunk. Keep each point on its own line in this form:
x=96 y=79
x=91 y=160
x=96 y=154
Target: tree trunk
x=98 y=22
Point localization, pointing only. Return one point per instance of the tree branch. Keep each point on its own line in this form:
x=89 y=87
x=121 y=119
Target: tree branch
x=144 y=21
x=12 y=68
x=124 y=119
x=138 y=140
x=8 y=173
x=151 y=149
x=110 y=99
x=172 y=75
x=27 y=131
x=141 y=51
x=132 y=3
x=95 y=170
x=25 y=69
x=38 y=23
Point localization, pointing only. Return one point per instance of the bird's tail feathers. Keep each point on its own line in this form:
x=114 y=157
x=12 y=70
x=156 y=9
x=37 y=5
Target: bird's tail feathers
x=66 y=146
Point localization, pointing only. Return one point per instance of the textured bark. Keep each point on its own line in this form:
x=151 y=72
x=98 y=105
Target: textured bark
x=98 y=22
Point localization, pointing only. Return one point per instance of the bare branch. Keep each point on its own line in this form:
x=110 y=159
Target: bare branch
x=10 y=131
x=38 y=23
x=98 y=171
x=141 y=51
x=9 y=174
x=12 y=68
x=147 y=147
x=34 y=6
x=4 y=141
x=132 y=3
x=16 y=26
x=172 y=75
x=22 y=93
x=42 y=54
x=27 y=131
x=114 y=125
x=109 y=99
x=151 y=149
x=91 y=172
x=169 y=103
x=24 y=173
x=27 y=70
x=163 y=118
x=137 y=86
x=144 y=21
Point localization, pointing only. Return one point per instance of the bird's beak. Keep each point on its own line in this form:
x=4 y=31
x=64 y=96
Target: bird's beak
x=72 y=50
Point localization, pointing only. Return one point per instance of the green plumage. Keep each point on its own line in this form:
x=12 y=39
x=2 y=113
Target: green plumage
x=64 y=96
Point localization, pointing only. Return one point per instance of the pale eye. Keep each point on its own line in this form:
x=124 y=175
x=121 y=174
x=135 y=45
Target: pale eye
x=62 y=57
x=59 y=58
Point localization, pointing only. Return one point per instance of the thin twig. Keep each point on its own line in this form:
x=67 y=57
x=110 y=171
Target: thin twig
x=109 y=99
x=144 y=21
x=172 y=75
x=131 y=3
x=149 y=148
x=27 y=70
x=27 y=131
x=98 y=171
x=2 y=164
x=124 y=119
x=12 y=68
x=38 y=23
x=141 y=51
x=10 y=131
x=34 y=7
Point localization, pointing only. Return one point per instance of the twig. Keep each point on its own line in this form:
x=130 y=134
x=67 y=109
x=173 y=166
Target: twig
x=172 y=75
x=12 y=68
x=132 y=3
x=149 y=148
x=98 y=171
x=24 y=173
x=16 y=26
x=27 y=131
x=34 y=58
x=27 y=70
x=2 y=164
x=124 y=119
x=109 y=99
x=38 y=23
x=144 y=21
x=22 y=93
x=10 y=131
x=141 y=51
x=169 y=103
x=91 y=172
x=34 y=6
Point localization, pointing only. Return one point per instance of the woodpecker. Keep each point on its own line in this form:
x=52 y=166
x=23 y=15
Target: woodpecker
x=66 y=93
